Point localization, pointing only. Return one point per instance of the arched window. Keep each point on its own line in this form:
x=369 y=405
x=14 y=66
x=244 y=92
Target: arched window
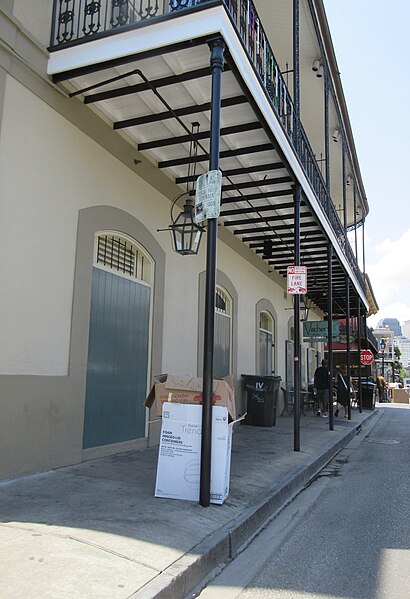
x=223 y=333
x=291 y=329
x=266 y=344
x=120 y=255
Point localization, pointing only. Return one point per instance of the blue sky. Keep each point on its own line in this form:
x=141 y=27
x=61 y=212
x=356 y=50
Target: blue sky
x=372 y=46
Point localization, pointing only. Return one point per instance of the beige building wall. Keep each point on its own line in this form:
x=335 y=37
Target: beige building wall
x=63 y=175
x=48 y=171
x=35 y=16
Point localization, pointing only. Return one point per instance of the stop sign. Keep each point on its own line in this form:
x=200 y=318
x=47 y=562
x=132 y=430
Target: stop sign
x=366 y=357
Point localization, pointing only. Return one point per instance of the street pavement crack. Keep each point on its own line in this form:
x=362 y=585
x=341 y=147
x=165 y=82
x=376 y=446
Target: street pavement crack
x=83 y=542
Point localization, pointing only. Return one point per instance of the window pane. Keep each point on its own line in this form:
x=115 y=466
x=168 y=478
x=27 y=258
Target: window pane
x=222 y=348
x=265 y=353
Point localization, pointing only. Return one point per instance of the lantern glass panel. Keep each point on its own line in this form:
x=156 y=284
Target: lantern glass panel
x=186 y=233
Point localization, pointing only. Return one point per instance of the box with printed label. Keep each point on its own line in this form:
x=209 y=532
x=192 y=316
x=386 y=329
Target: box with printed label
x=179 y=457
x=173 y=388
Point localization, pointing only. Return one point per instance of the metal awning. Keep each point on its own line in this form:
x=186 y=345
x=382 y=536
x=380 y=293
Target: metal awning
x=161 y=101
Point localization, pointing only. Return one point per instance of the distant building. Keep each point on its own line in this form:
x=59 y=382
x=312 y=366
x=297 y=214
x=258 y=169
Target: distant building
x=404 y=347
x=406 y=328
x=393 y=325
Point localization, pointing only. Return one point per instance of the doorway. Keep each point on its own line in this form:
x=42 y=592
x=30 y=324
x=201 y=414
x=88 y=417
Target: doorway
x=119 y=341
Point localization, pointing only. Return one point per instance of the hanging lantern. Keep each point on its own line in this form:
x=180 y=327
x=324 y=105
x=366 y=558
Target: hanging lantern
x=305 y=303
x=185 y=232
x=267 y=253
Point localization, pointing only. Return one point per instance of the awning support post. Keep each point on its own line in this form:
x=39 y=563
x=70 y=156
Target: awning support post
x=217 y=61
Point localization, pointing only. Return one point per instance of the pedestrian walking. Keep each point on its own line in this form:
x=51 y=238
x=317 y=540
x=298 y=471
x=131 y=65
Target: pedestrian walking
x=321 y=388
x=345 y=390
x=381 y=387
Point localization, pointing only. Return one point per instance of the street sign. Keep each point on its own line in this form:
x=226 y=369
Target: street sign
x=366 y=357
x=208 y=196
x=297 y=280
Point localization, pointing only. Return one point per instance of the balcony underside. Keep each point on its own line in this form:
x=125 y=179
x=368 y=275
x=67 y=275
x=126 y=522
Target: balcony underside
x=154 y=96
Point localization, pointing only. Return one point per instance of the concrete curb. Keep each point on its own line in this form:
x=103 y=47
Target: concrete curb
x=186 y=574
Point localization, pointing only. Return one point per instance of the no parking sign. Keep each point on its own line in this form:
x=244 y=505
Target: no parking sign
x=297 y=276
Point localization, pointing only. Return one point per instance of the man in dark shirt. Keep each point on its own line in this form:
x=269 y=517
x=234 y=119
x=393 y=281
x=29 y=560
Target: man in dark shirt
x=321 y=385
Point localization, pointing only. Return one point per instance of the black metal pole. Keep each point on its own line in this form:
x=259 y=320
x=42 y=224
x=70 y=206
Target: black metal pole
x=327 y=149
x=297 y=198
x=367 y=368
x=355 y=221
x=344 y=191
x=330 y=331
x=359 y=347
x=296 y=320
x=217 y=61
x=347 y=282
x=296 y=75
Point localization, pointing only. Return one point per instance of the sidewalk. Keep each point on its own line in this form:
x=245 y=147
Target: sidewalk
x=96 y=531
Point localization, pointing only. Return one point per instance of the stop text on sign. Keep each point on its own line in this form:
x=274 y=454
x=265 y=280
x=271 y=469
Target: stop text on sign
x=366 y=357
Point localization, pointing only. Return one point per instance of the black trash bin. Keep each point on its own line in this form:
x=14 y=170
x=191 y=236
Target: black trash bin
x=368 y=395
x=262 y=398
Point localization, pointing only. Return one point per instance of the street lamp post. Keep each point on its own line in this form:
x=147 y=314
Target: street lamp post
x=217 y=63
x=382 y=348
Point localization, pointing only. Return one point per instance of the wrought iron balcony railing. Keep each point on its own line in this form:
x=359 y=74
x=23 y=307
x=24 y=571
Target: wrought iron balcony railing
x=76 y=21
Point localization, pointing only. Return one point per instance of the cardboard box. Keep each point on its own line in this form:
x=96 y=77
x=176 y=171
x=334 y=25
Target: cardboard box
x=173 y=388
x=179 y=457
x=400 y=396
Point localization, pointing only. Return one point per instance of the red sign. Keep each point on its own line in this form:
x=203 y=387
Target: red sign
x=366 y=357
x=297 y=280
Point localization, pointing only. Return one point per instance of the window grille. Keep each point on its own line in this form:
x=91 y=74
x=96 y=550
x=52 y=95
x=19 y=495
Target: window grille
x=222 y=302
x=119 y=254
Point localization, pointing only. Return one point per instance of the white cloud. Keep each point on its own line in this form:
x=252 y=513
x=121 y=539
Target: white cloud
x=385 y=246
x=390 y=279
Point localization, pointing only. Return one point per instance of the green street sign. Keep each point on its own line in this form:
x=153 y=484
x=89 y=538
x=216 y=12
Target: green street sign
x=317 y=330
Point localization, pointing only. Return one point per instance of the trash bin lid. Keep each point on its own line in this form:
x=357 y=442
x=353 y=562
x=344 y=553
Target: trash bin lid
x=270 y=377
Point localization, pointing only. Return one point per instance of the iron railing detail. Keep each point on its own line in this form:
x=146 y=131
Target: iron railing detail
x=76 y=20
x=79 y=20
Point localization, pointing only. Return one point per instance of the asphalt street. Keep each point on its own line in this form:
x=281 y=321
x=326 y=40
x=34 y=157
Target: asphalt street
x=346 y=536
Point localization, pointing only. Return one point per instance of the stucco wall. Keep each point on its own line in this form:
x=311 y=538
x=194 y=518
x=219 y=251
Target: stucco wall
x=51 y=173
x=48 y=171
x=35 y=17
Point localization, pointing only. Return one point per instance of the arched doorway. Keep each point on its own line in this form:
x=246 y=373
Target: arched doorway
x=119 y=341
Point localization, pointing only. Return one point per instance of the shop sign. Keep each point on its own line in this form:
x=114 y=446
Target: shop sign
x=315 y=331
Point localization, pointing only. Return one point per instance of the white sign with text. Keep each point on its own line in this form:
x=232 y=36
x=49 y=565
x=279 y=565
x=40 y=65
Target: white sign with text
x=297 y=280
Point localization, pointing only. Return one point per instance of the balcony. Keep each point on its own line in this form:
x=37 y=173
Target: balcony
x=260 y=154
x=371 y=339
